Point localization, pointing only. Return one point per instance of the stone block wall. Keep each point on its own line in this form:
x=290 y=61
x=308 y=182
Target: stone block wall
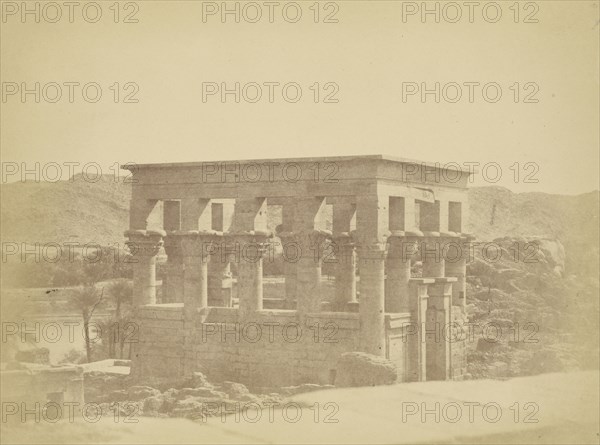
x=273 y=347
x=270 y=348
x=401 y=347
x=158 y=347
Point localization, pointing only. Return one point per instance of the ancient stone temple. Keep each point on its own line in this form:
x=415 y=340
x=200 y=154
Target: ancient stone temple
x=392 y=230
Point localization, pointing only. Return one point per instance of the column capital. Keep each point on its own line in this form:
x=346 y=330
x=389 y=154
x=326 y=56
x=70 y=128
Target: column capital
x=403 y=245
x=345 y=244
x=446 y=242
x=196 y=243
x=343 y=239
x=309 y=240
x=310 y=233
x=144 y=242
x=243 y=247
x=440 y=239
x=254 y=237
x=144 y=246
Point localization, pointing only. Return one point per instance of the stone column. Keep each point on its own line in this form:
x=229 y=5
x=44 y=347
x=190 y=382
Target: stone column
x=431 y=255
x=458 y=253
x=437 y=326
x=219 y=275
x=344 y=212
x=249 y=236
x=371 y=260
x=290 y=267
x=372 y=230
x=418 y=317
x=173 y=285
x=195 y=247
x=219 y=267
x=250 y=272
x=310 y=238
x=308 y=274
x=345 y=272
x=196 y=239
x=144 y=246
x=289 y=252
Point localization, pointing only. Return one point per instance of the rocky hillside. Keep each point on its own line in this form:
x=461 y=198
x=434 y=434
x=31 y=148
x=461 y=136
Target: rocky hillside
x=86 y=212
x=496 y=212
x=74 y=211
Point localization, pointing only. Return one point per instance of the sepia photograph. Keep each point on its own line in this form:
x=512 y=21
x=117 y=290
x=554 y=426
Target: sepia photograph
x=300 y=222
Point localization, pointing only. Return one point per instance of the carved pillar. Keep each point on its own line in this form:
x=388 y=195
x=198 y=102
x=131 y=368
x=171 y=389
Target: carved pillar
x=195 y=248
x=196 y=240
x=289 y=252
x=344 y=211
x=371 y=260
x=144 y=246
x=345 y=272
x=172 y=291
x=418 y=317
x=249 y=236
x=310 y=239
x=458 y=253
x=219 y=275
x=172 y=286
x=219 y=267
x=308 y=278
x=372 y=230
x=431 y=255
x=250 y=272
x=291 y=256
x=437 y=329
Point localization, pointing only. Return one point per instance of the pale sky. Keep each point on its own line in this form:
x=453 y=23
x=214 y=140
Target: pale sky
x=368 y=54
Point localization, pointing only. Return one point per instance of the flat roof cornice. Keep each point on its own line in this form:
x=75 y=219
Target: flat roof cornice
x=379 y=157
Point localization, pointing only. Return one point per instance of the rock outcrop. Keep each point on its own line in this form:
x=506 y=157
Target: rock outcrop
x=362 y=369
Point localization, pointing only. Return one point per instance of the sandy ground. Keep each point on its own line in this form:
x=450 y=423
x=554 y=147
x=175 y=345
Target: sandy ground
x=550 y=408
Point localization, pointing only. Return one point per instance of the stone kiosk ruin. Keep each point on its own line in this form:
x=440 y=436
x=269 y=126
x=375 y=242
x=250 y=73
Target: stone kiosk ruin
x=385 y=214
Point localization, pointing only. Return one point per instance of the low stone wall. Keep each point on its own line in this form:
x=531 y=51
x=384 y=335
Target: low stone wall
x=158 y=351
x=273 y=347
x=401 y=346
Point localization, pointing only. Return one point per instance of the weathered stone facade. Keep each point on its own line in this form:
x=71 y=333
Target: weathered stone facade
x=387 y=214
